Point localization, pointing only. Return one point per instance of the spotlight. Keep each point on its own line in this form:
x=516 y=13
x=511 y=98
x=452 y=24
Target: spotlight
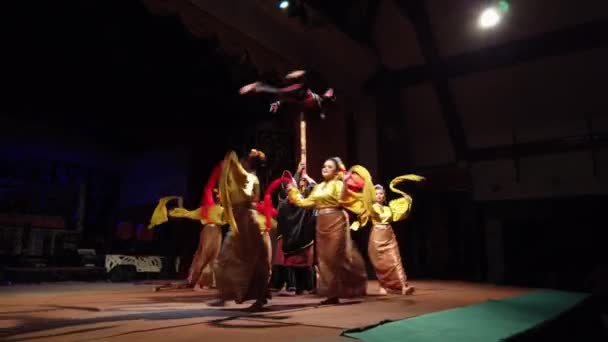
x=283 y=4
x=489 y=18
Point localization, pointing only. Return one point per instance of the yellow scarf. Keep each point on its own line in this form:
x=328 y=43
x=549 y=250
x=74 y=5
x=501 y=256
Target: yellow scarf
x=367 y=195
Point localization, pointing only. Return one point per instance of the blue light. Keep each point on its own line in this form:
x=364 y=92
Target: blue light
x=283 y=4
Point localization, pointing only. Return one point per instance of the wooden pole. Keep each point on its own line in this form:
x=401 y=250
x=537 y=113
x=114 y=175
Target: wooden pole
x=303 y=140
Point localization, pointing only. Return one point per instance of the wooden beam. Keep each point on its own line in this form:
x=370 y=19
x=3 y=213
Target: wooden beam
x=555 y=43
x=419 y=17
x=541 y=148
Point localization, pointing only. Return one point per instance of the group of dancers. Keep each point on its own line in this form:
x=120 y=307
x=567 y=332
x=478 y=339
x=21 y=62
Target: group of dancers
x=312 y=222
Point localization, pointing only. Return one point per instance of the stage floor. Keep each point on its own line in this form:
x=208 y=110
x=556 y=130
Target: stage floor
x=133 y=312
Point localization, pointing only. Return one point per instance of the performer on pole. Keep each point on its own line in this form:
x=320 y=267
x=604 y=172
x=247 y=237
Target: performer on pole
x=298 y=93
x=294 y=253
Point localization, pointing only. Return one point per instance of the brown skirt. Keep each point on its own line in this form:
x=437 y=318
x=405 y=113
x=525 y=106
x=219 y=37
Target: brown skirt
x=242 y=271
x=341 y=267
x=201 y=270
x=384 y=254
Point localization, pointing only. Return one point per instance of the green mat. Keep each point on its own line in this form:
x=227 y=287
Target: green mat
x=493 y=320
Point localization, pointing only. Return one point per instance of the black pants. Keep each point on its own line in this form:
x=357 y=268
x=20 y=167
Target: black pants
x=297 y=94
x=283 y=276
x=293 y=278
x=305 y=279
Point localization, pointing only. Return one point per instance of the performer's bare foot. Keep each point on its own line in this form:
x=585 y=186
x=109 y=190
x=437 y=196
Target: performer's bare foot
x=408 y=290
x=217 y=302
x=329 y=94
x=295 y=74
x=248 y=88
x=198 y=288
x=330 y=301
x=382 y=291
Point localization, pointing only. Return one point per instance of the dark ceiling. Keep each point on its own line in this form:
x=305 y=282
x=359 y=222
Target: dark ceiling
x=353 y=17
x=119 y=73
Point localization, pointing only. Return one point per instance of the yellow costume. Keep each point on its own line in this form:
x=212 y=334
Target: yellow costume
x=383 y=249
x=210 y=238
x=341 y=267
x=243 y=268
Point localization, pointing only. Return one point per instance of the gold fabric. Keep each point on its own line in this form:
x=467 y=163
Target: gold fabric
x=215 y=215
x=237 y=188
x=383 y=249
x=159 y=216
x=364 y=200
x=209 y=245
x=384 y=255
x=397 y=209
x=328 y=194
x=185 y=213
x=400 y=207
x=341 y=268
x=261 y=220
x=242 y=270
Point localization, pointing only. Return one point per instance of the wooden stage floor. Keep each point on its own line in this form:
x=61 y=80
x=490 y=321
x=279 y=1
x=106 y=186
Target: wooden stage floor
x=129 y=312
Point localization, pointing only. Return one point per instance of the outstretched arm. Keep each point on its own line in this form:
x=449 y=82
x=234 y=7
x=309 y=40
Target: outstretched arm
x=259 y=87
x=297 y=199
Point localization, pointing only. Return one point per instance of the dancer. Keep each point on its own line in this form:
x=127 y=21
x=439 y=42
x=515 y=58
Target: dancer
x=383 y=248
x=200 y=274
x=243 y=268
x=294 y=253
x=297 y=93
x=210 y=243
x=341 y=267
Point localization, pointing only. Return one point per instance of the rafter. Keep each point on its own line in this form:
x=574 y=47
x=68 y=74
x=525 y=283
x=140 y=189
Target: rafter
x=555 y=43
x=419 y=17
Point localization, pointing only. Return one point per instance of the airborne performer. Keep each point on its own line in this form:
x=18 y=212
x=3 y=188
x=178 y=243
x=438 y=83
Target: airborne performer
x=297 y=93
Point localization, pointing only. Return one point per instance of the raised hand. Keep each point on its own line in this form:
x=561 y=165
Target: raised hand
x=301 y=167
x=274 y=107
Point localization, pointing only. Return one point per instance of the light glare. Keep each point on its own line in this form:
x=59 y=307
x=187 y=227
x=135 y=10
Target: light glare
x=284 y=4
x=489 y=18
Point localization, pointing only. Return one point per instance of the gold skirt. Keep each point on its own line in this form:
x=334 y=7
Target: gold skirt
x=209 y=245
x=384 y=254
x=341 y=267
x=242 y=271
